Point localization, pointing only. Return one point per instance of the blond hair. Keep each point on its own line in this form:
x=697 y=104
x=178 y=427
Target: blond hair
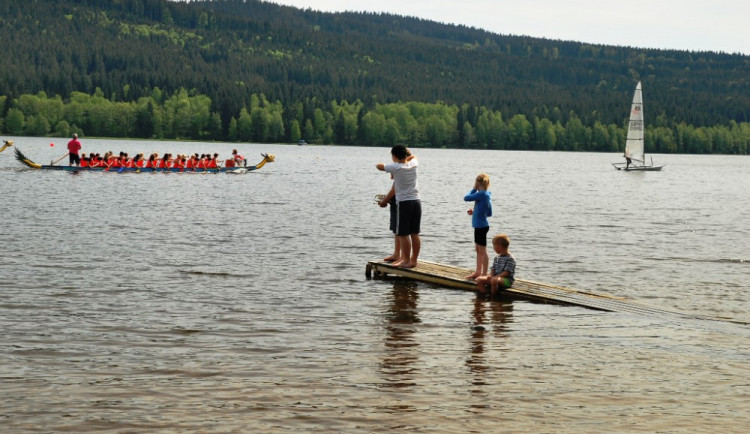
x=502 y=240
x=483 y=179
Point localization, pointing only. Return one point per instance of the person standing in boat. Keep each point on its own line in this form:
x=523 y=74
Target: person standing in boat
x=482 y=199
x=502 y=274
x=404 y=170
x=74 y=147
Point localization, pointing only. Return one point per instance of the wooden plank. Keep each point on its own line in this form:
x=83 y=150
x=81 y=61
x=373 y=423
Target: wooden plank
x=454 y=277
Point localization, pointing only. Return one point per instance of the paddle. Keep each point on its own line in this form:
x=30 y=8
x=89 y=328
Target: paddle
x=56 y=161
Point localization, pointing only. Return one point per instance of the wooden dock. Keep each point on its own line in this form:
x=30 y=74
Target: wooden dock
x=453 y=277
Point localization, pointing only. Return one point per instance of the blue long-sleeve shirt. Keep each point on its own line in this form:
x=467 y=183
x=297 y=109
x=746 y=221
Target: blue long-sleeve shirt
x=482 y=207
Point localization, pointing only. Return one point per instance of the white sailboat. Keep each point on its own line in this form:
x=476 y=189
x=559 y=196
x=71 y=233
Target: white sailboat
x=635 y=156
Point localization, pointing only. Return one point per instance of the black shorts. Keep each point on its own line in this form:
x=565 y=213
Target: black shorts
x=409 y=217
x=480 y=236
x=394 y=214
x=75 y=159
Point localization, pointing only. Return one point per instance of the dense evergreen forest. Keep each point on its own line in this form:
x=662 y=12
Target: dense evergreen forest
x=246 y=70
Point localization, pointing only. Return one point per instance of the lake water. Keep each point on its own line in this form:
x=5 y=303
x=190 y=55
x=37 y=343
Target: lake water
x=239 y=303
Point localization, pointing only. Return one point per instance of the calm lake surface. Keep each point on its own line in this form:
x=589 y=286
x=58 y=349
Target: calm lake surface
x=230 y=303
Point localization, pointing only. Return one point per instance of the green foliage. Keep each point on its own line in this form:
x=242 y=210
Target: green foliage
x=62 y=129
x=296 y=134
x=186 y=115
x=15 y=122
x=256 y=71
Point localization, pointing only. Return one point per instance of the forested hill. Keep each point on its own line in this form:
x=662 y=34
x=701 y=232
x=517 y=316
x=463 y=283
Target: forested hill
x=234 y=50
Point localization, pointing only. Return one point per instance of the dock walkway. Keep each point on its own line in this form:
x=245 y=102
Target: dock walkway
x=453 y=277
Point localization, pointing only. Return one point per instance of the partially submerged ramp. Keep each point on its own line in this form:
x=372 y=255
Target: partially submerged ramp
x=454 y=277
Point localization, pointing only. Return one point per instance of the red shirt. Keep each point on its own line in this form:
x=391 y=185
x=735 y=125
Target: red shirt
x=74 y=146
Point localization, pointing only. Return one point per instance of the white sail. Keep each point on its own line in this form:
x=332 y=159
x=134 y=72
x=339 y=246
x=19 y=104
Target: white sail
x=634 y=143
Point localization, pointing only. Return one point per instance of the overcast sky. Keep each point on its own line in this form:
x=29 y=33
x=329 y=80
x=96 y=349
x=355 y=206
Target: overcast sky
x=719 y=25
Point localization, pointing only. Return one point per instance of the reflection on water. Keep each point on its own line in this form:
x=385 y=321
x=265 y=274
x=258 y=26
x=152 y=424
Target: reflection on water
x=401 y=344
x=500 y=313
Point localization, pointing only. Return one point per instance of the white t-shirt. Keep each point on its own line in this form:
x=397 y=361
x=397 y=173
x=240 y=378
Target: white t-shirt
x=405 y=179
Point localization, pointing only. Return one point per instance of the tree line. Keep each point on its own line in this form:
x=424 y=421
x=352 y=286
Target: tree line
x=230 y=50
x=190 y=115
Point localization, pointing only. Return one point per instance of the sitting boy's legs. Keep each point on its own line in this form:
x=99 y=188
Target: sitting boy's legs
x=497 y=283
x=481 y=282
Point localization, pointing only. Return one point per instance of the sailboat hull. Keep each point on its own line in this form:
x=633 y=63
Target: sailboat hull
x=634 y=168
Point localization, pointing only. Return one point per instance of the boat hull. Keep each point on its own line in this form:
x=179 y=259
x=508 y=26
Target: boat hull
x=233 y=170
x=634 y=168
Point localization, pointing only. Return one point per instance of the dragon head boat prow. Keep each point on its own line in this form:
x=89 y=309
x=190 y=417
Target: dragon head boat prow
x=6 y=144
x=267 y=158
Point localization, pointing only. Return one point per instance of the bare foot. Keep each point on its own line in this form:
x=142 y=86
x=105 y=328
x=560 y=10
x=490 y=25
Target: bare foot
x=472 y=276
x=402 y=264
x=391 y=258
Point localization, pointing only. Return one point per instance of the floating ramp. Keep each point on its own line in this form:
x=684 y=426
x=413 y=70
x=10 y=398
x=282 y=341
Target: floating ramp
x=454 y=277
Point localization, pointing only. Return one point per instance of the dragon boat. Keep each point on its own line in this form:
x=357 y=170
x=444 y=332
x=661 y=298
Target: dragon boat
x=267 y=158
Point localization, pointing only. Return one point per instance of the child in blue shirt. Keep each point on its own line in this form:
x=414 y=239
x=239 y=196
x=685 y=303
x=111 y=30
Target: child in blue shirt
x=482 y=209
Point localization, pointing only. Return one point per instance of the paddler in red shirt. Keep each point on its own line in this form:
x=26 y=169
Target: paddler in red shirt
x=212 y=162
x=179 y=162
x=191 y=162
